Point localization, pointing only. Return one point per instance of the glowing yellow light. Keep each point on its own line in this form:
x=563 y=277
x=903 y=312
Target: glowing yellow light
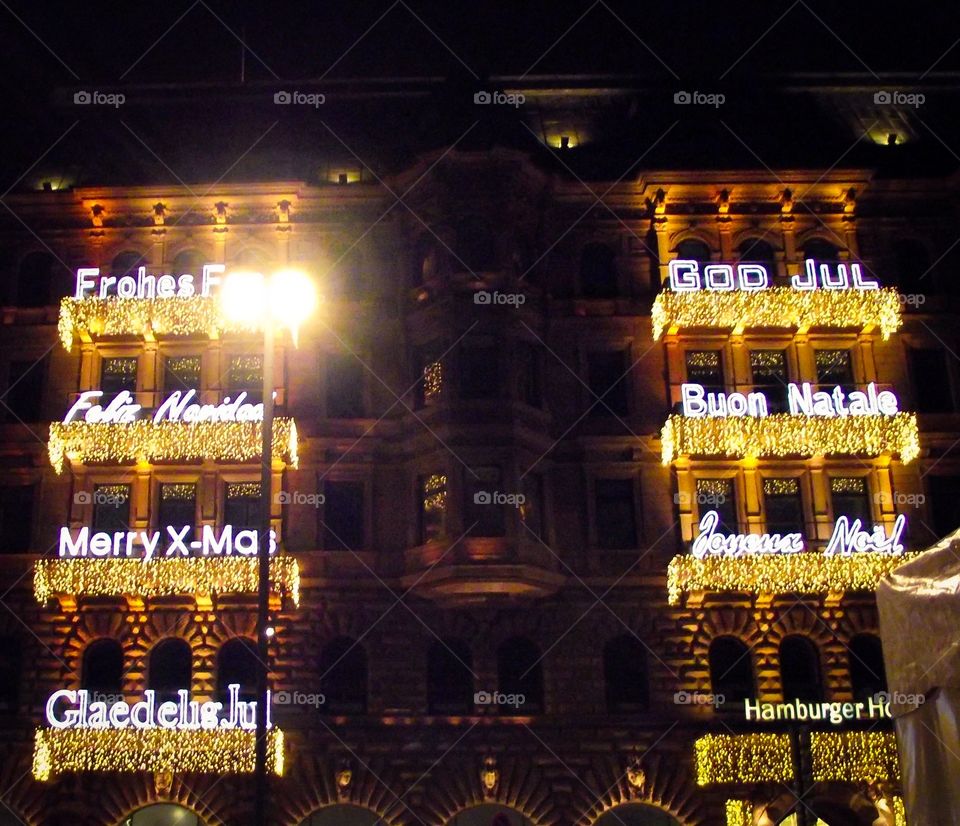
x=162 y=577
x=743 y=758
x=802 y=573
x=777 y=307
x=146 y=441
x=243 y=296
x=854 y=756
x=783 y=434
x=289 y=296
x=739 y=813
x=220 y=751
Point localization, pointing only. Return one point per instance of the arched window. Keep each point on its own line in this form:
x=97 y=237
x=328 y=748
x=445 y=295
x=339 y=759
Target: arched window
x=694 y=250
x=11 y=662
x=912 y=267
x=170 y=668
x=520 y=676
x=163 y=814
x=342 y=814
x=757 y=251
x=449 y=677
x=187 y=261
x=238 y=663
x=343 y=676
x=625 y=675
x=35 y=280
x=127 y=262
x=598 y=271
x=636 y=814
x=251 y=257
x=475 y=246
x=820 y=250
x=731 y=672
x=868 y=675
x=489 y=814
x=102 y=670
x=800 y=669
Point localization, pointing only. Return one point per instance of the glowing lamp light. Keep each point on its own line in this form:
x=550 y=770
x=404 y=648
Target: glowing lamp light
x=243 y=296
x=293 y=298
x=289 y=294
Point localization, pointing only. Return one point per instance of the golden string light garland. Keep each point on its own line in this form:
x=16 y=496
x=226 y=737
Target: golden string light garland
x=783 y=434
x=739 y=813
x=778 y=307
x=162 y=577
x=854 y=756
x=145 y=440
x=743 y=758
x=800 y=573
x=220 y=751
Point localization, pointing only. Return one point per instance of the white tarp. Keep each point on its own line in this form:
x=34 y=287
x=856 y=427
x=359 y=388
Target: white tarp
x=919 y=605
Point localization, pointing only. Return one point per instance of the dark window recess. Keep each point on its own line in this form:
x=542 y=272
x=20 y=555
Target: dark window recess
x=944 y=495
x=769 y=369
x=245 y=375
x=520 y=674
x=111 y=508
x=731 y=673
x=531 y=509
x=607 y=379
x=705 y=367
x=616 y=517
x=22 y=400
x=719 y=495
x=912 y=268
x=529 y=376
x=868 y=674
x=343 y=676
x=479 y=374
x=598 y=271
x=181 y=373
x=821 y=251
x=625 y=675
x=475 y=245
x=834 y=368
x=449 y=677
x=16 y=518
x=344 y=389
x=800 y=670
x=694 y=250
x=170 y=668
x=178 y=509
x=102 y=669
x=242 y=506
x=117 y=375
x=432 y=506
x=850 y=497
x=343 y=516
x=482 y=514
x=783 y=505
x=237 y=664
x=11 y=664
x=35 y=280
x=931 y=380
x=758 y=251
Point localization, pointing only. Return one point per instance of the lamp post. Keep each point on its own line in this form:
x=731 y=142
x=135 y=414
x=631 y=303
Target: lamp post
x=285 y=299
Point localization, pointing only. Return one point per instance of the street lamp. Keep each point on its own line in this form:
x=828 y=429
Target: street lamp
x=285 y=299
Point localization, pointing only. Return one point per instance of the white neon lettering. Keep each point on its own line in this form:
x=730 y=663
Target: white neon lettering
x=90 y=283
x=710 y=543
x=850 y=538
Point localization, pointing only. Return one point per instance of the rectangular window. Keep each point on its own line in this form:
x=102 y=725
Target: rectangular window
x=834 y=368
x=705 y=367
x=769 y=371
x=343 y=516
x=482 y=513
x=429 y=388
x=344 y=389
x=16 y=518
x=242 y=506
x=616 y=518
x=181 y=373
x=529 y=386
x=931 y=380
x=22 y=401
x=178 y=509
x=433 y=506
x=245 y=375
x=783 y=505
x=849 y=497
x=117 y=375
x=111 y=508
x=944 y=495
x=531 y=509
x=719 y=495
x=479 y=376
x=607 y=380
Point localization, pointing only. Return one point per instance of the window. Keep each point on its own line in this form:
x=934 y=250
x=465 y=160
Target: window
x=769 y=371
x=719 y=495
x=520 y=674
x=912 y=267
x=625 y=675
x=834 y=368
x=529 y=385
x=705 y=367
x=731 y=672
x=531 y=509
x=615 y=514
x=16 y=518
x=344 y=387
x=449 y=677
x=187 y=261
x=170 y=668
x=783 y=505
x=482 y=515
x=868 y=675
x=694 y=250
x=479 y=375
x=820 y=251
x=117 y=375
x=429 y=389
x=238 y=664
x=931 y=380
x=245 y=375
x=181 y=373
x=11 y=663
x=800 y=670
x=757 y=251
x=35 y=280
x=598 y=271
x=22 y=401
x=849 y=497
x=111 y=508
x=242 y=506
x=433 y=506
x=343 y=516
x=127 y=263
x=102 y=669
x=944 y=495
x=178 y=509
x=607 y=379
x=343 y=676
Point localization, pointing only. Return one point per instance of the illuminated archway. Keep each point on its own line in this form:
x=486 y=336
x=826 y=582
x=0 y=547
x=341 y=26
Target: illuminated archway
x=342 y=814
x=636 y=814
x=162 y=814
x=489 y=814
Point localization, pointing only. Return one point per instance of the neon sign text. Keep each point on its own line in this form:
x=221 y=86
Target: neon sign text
x=802 y=400
x=90 y=284
x=686 y=276
x=147 y=545
x=178 y=406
